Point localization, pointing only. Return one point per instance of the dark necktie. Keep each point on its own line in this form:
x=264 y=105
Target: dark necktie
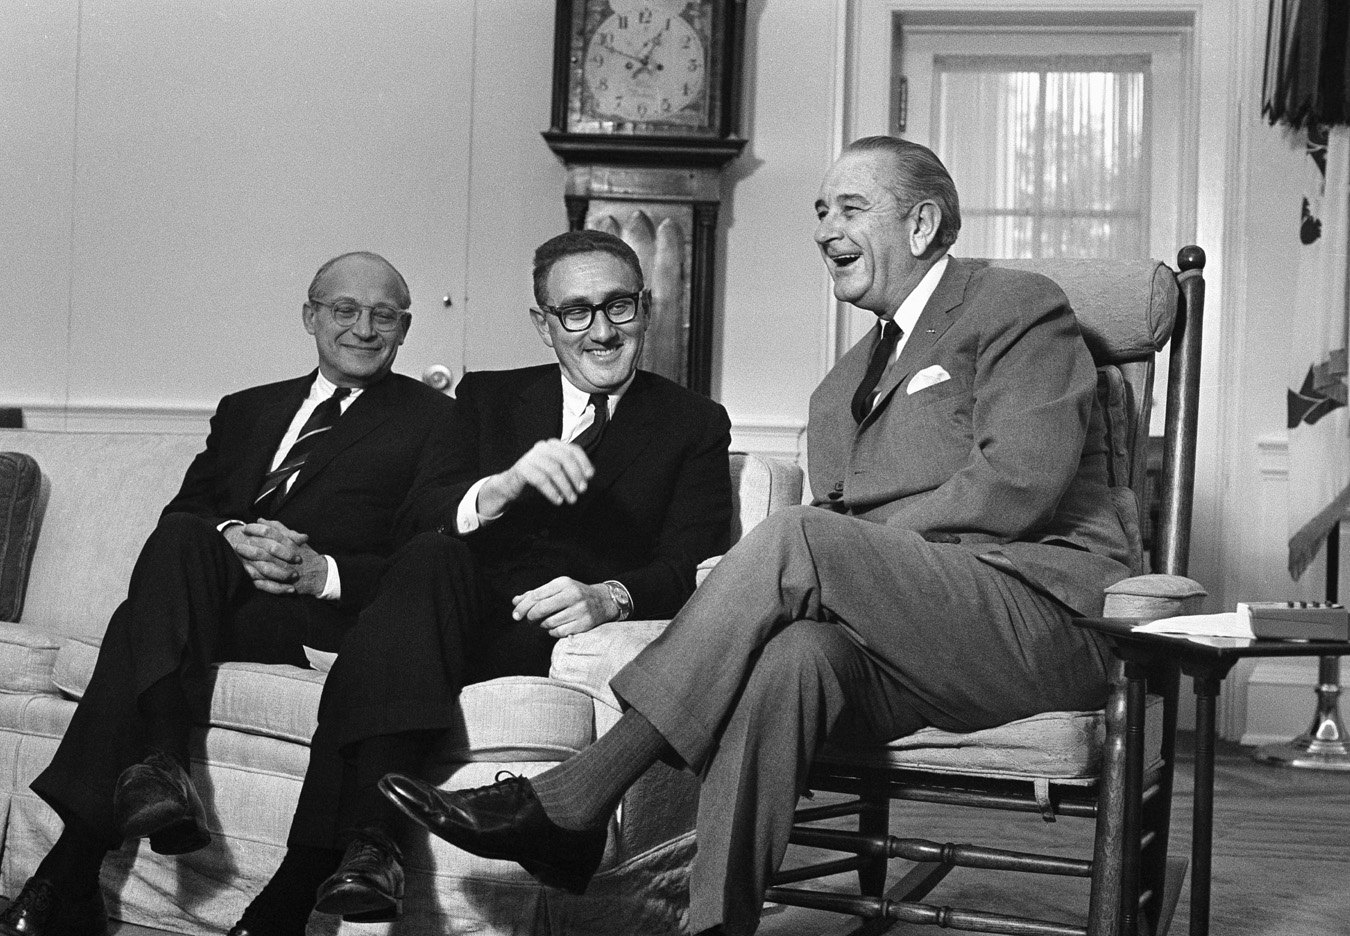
x=273 y=487
x=589 y=438
x=881 y=356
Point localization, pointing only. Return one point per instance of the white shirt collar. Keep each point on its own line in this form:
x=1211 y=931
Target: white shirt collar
x=912 y=307
x=323 y=388
x=575 y=400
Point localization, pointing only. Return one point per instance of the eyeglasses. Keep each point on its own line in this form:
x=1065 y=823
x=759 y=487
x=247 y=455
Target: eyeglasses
x=382 y=318
x=620 y=310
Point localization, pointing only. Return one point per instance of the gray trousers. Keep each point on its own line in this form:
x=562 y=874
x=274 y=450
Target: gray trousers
x=819 y=624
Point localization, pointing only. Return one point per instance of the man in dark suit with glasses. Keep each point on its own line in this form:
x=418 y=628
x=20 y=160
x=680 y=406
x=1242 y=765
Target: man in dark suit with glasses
x=576 y=493
x=277 y=538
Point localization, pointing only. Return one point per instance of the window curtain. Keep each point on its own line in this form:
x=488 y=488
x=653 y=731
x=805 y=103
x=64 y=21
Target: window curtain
x=1061 y=164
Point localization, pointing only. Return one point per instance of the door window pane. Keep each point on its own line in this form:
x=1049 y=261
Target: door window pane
x=1049 y=152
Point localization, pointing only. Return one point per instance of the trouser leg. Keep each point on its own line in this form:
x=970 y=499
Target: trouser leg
x=973 y=645
x=802 y=683
x=399 y=671
x=184 y=580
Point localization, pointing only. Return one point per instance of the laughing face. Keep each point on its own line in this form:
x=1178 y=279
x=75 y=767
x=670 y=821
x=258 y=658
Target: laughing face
x=872 y=245
x=601 y=358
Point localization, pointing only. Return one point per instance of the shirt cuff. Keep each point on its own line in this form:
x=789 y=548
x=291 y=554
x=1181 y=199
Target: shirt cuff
x=467 y=518
x=332 y=589
x=222 y=527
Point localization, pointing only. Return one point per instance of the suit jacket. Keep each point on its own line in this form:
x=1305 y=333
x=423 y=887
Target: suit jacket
x=1008 y=454
x=659 y=503
x=351 y=495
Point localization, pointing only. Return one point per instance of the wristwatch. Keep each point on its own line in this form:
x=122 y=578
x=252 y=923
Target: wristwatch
x=621 y=598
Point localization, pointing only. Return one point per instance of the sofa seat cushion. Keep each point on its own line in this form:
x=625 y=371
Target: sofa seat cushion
x=520 y=718
x=27 y=658
x=1061 y=746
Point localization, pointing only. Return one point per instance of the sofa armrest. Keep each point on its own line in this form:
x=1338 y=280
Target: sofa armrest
x=704 y=569
x=593 y=658
x=1153 y=596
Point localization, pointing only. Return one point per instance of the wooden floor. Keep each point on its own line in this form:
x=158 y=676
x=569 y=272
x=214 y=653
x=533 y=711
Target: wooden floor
x=1281 y=857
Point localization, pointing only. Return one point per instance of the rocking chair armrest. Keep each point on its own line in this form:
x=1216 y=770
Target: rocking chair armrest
x=1153 y=596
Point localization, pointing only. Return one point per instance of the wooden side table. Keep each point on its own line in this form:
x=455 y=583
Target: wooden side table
x=1208 y=661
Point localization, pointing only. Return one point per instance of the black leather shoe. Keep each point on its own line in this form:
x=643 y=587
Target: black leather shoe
x=368 y=886
x=41 y=910
x=156 y=798
x=503 y=820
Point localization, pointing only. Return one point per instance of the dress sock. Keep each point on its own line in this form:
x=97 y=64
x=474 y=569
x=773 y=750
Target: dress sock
x=582 y=792
x=74 y=861
x=168 y=720
x=284 y=905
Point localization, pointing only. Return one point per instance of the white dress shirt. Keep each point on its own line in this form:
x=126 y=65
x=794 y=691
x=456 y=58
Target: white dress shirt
x=320 y=390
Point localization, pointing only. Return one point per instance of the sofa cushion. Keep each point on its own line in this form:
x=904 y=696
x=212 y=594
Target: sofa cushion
x=106 y=493
x=27 y=657
x=20 y=497
x=524 y=718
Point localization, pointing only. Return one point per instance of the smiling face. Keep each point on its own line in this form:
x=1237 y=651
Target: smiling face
x=601 y=358
x=356 y=355
x=875 y=248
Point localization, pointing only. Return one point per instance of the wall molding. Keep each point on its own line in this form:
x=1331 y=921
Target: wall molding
x=109 y=417
x=773 y=437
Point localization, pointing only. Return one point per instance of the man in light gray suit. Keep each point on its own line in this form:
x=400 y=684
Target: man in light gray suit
x=962 y=517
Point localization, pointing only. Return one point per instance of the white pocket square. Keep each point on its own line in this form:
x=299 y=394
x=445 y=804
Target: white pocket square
x=927 y=378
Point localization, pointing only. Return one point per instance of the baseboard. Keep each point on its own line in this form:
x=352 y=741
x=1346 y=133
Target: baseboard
x=1281 y=699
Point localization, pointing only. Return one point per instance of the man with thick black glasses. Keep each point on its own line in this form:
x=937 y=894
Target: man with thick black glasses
x=577 y=493
x=277 y=538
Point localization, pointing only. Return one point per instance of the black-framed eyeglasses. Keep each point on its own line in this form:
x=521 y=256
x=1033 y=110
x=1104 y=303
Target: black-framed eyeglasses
x=620 y=310
x=383 y=318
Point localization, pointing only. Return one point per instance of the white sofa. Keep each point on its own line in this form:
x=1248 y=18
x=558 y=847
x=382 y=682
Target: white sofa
x=101 y=495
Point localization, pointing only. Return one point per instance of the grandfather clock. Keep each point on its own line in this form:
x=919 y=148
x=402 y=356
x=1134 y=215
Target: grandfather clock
x=646 y=109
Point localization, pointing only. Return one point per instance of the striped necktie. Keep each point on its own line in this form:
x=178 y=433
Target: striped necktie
x=273 y=489
x=881 y=356
x=589 y=438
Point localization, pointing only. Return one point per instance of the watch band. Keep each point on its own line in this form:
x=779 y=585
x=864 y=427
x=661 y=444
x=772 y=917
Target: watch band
x=619 y=593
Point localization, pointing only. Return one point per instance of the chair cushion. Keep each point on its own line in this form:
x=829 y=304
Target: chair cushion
x=1126 y=308
x=1063 y=746
x=27 y=657
x=20 y=498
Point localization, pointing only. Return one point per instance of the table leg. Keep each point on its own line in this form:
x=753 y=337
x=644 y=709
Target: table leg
x=1202 y=833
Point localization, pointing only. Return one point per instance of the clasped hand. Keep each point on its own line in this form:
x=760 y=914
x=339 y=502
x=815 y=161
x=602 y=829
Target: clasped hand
x=278 y=559
x=564 y=606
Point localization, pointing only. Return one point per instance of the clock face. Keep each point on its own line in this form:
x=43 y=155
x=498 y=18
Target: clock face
x=642 y=65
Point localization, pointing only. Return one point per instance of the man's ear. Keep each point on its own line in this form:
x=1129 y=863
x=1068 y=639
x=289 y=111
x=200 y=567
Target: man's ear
x=406 y=321
x=926 y=219
x=307 y=316
x=540 y=320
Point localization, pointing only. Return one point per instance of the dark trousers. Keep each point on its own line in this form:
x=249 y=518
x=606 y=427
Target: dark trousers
x=818 y=623
x=189 y=604
x=438 y=622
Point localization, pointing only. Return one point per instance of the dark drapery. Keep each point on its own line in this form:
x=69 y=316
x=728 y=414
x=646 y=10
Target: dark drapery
x=1307 y=77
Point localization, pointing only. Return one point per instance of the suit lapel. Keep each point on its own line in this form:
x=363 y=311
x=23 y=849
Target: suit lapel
x=939 y=314
x=272 y=422
x=538 y=411
x=372 y=407
x=627 y=434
